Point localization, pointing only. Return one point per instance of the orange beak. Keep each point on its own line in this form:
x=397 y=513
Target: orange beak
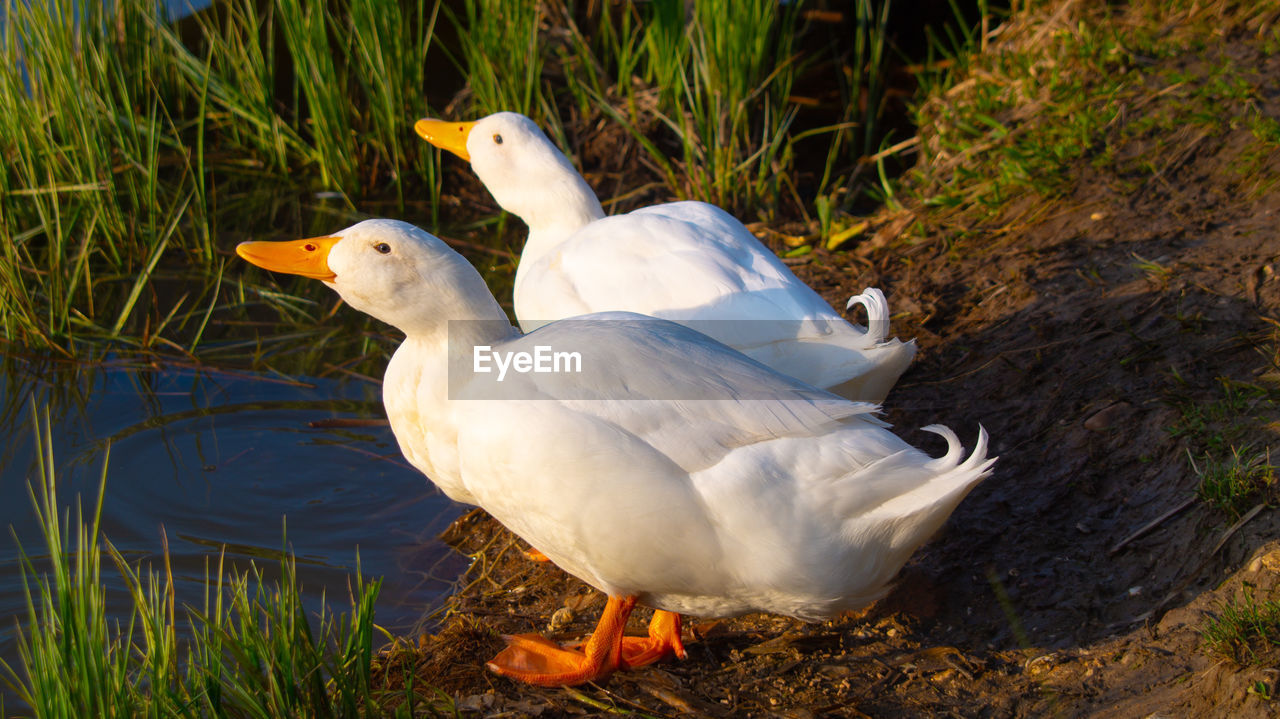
x=309 y=258
x=451 y=136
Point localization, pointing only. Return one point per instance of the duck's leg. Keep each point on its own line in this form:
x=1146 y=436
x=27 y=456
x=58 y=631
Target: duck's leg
x=535 y=555
x=663 y=639
x=537 y=660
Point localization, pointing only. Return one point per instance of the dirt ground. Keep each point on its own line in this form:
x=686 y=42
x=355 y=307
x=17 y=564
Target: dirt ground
x=1077 y=579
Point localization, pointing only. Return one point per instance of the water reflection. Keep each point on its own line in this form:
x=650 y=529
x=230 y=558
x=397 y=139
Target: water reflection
x=217 y=459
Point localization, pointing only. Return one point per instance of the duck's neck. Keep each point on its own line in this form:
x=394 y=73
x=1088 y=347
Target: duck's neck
x=417 y=392
x=481 y=322
x=555 y=211
x=445 y=356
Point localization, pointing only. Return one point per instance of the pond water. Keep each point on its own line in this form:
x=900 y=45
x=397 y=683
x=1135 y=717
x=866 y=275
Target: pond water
x=215 y=459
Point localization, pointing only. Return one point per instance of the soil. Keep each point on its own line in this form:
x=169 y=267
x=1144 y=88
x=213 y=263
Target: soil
x=1040 y=596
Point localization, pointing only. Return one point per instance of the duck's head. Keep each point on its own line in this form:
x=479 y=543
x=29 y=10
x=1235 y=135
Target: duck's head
x=388 y=269
x=519 y=165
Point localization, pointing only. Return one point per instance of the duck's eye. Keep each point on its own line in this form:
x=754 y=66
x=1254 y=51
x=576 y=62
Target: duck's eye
x=383 y=247
x=497 y=139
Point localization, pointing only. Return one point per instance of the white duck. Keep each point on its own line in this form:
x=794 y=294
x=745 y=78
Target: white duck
x=670 y=471
x=689 y=262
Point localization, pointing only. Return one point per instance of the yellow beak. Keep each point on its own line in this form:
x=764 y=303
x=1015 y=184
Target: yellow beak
x=451 y=136
x=309 y=258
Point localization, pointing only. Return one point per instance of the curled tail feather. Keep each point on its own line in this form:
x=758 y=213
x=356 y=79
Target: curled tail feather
x=910 y=518
x=877 y=313
x=955 y=451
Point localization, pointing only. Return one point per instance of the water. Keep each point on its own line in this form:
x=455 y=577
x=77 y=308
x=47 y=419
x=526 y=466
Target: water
x=216 y=459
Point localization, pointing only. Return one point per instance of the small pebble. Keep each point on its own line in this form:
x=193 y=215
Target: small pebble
x=562 y=618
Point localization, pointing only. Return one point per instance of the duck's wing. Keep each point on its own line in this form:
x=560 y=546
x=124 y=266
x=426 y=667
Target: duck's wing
x=596 y=467
x=685 y=394
x=693 y=263
x=684 y=261
x=782 y=496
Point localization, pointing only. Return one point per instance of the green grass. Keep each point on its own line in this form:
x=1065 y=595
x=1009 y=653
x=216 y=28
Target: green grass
x=724 y=95
x=128 y=152
x=1156 y=273
x=1044 y=108
x=1215 y=424
x=706 y=94
x=502 y=56
x=1245 y=631
x=85 y=193
x=1226 y=447
x=1235 y=481
x=250 y=649
x=715 y=81
x=1097 y=85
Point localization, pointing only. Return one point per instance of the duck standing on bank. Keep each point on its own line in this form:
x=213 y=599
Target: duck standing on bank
x=689 y=262
x=670 y=471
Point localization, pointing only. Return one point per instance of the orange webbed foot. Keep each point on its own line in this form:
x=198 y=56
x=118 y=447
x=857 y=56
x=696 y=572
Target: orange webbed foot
x=663 y=640
x=537 y=660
